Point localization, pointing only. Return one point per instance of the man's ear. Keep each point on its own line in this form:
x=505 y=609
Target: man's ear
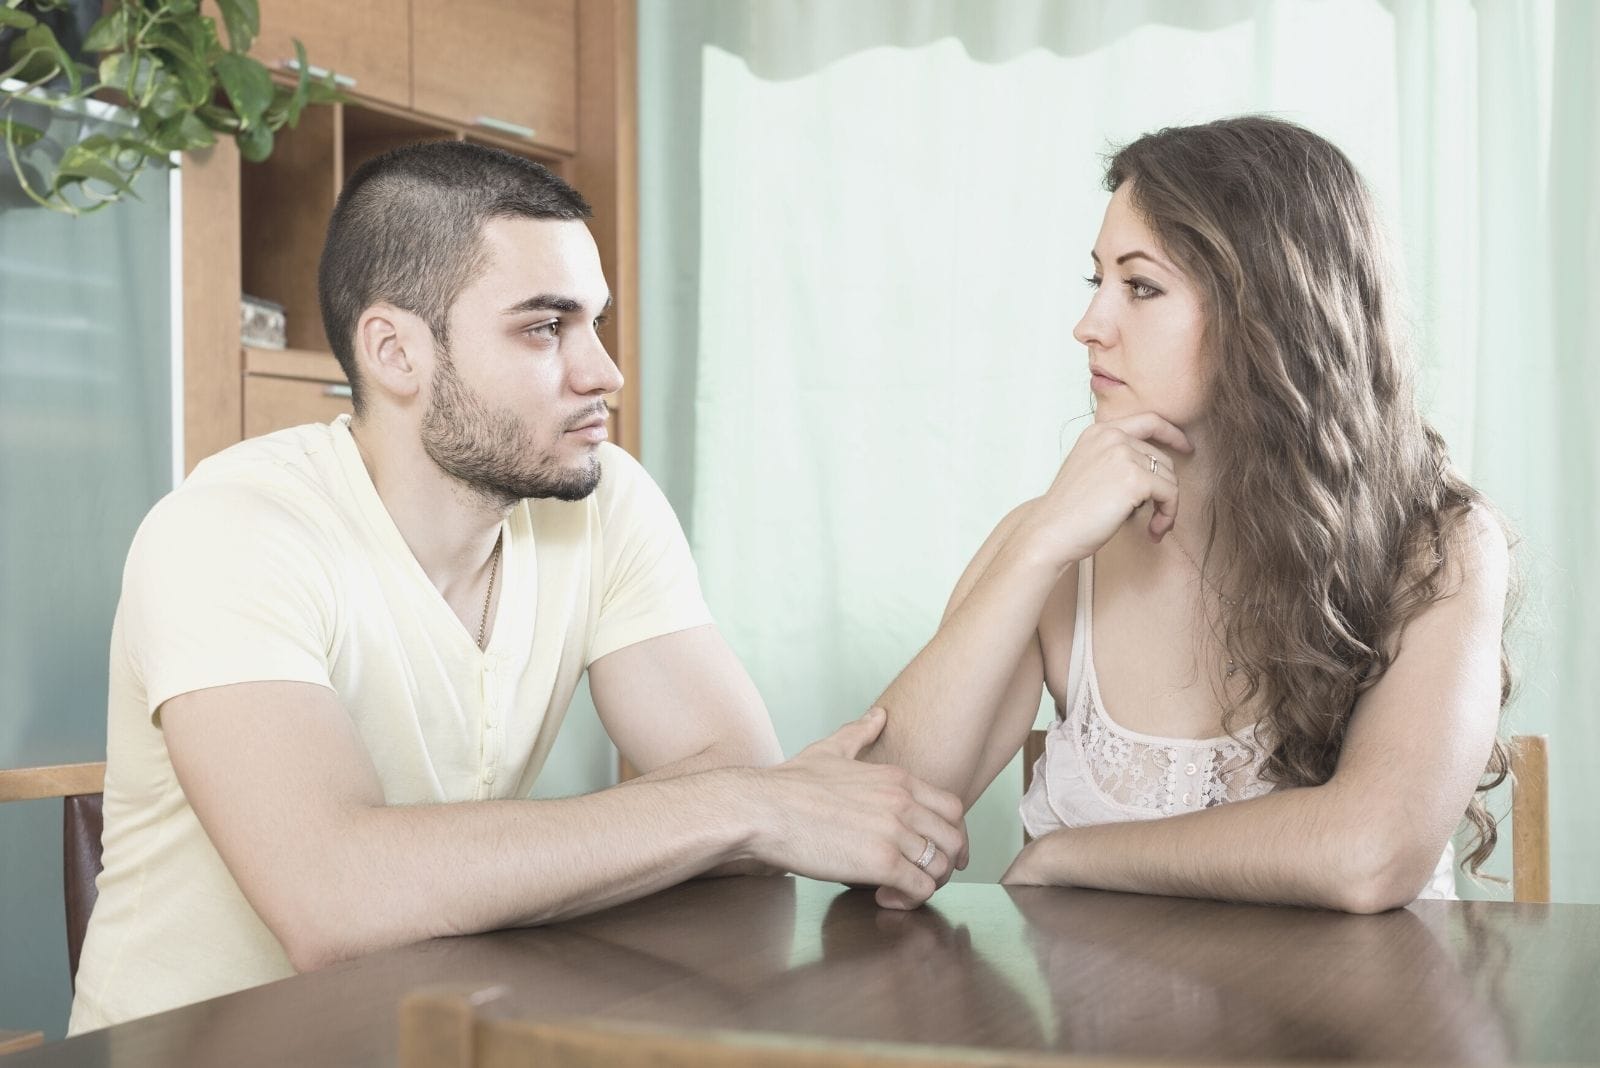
x=394 y=350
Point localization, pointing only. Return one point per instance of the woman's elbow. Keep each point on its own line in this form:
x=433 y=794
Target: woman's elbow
x=1379 y=873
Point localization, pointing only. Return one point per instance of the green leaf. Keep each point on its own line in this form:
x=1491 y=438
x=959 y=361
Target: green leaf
x=302 y=86
x=109 y=32
x=202 y=34
x=135 y=80
x=114 y=70
x=255 y=143
x=37 y=56
x=20 y=133
x=195 y=134
x=18 y=20
x=248 y=85
x=167 y=99
x=83 y=162
x=243 y=20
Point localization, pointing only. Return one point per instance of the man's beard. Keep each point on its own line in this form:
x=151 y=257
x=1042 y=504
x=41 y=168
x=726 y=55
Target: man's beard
x=491 y=452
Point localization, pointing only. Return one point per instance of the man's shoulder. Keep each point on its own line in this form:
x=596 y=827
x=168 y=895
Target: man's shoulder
x=261 y=485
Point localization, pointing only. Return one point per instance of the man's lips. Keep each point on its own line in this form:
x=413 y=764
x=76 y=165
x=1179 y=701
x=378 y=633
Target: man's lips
x=589 y=421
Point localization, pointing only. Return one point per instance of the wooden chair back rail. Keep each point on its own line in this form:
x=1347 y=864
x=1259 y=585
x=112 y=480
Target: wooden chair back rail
x=80 y=787
x=1530 y=818
x=458 y=1028
x=1530 y=810
x=62 y=780
x=12 y=1041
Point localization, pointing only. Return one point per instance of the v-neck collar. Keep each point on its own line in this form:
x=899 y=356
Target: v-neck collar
x=515 y=565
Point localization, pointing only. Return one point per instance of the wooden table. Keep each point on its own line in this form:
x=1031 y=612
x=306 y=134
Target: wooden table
x=1030 y=969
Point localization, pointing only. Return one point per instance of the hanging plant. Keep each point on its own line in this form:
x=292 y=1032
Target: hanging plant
x=160 y=59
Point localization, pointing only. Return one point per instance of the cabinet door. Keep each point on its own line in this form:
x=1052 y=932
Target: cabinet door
x=506 y=65
x=274 y=403
x=367 y=43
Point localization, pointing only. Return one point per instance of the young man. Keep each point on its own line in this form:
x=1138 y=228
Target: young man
x=343 y=652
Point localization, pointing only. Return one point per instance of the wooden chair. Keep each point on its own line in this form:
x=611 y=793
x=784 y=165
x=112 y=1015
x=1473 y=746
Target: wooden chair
x=1530 y=810
x=80 y=787
x=468 y=1028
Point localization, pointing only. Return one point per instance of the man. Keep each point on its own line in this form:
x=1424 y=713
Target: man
x=343 y=652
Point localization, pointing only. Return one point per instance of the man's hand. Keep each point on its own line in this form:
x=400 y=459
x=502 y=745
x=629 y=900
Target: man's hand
x=827 y=815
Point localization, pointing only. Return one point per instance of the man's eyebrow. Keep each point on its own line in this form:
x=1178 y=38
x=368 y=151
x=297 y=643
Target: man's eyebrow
x=551 y=302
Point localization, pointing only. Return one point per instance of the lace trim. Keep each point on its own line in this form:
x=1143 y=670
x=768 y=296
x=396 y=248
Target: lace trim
x=1170 y=775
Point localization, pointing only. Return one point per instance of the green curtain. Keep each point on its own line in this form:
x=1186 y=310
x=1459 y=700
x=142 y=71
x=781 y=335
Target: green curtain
x=863 y=233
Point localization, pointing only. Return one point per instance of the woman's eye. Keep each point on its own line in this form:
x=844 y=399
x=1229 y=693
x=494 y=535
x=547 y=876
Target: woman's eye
x=1093 y=281
x=1141 y=290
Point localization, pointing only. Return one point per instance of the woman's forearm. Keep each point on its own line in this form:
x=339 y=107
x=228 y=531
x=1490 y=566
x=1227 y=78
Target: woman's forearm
x=1306 y=846
x=980 y=665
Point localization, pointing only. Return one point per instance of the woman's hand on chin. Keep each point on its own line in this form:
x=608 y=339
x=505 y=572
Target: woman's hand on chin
x=1115 y=469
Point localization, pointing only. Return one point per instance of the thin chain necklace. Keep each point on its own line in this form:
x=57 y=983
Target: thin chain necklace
x=1227 y=602
x=494 y=569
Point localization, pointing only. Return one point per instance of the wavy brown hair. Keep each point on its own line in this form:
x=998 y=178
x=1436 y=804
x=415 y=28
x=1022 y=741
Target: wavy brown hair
x=1340 y=512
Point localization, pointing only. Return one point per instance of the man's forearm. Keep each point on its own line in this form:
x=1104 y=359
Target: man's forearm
x=390 y=875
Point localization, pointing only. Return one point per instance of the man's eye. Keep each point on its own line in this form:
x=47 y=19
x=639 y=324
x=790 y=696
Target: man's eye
x=550 y=329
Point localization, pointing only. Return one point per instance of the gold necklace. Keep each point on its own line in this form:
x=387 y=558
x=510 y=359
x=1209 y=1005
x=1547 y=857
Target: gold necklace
x=494 y=569
x=1227 y=602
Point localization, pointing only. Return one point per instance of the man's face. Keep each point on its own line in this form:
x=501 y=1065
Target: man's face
x=516 y=406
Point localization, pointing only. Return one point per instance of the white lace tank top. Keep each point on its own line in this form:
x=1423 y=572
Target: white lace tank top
x=1094 y=770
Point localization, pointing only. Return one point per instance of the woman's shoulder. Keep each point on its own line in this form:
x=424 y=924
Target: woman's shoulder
x=1475 y=545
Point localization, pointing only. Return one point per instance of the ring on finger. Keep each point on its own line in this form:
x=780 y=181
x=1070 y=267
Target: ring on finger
x=927 y=854
x=1155 y=465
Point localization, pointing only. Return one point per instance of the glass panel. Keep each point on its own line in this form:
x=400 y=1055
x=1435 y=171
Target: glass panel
x=85 y=450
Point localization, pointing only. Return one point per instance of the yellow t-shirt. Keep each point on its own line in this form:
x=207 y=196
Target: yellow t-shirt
x=277 y=560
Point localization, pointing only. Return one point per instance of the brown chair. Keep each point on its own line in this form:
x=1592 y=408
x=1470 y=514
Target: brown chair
x=1530 y=810
x=80 y=787
x=470 y=1028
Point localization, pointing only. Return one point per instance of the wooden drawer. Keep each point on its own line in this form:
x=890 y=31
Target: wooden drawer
x=499 y=65
x=367 y=43
x=272 y=403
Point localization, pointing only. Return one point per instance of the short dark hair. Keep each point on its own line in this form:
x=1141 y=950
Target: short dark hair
x=408 y=230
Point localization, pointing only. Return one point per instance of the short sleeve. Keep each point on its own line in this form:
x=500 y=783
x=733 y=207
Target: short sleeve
x=651 y=586
x=223 y=585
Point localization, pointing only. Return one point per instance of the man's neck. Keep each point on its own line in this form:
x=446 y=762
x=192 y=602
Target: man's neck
x=450 y=528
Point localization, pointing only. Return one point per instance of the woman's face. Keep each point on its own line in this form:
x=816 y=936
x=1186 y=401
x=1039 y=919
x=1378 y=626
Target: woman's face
x=1143 y=325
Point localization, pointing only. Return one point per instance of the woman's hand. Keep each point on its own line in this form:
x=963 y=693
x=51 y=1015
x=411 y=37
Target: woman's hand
x=1114 y=470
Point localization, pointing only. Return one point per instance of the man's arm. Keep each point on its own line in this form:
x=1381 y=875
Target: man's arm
x=285 y=790
x=682 y=703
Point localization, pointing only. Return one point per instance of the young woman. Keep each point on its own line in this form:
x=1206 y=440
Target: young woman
x=1269 y=611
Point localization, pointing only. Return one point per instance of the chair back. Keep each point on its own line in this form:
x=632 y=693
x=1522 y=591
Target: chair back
x=80 y=787
x=1530 y=810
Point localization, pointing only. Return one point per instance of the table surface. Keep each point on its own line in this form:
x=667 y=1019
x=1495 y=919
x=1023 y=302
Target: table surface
x=1027 y=968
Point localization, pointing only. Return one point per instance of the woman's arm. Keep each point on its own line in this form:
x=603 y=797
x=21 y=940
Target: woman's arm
x=1369 y=838
x=962 y=707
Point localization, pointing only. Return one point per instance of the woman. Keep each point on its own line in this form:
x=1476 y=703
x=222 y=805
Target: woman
x=1268 y=610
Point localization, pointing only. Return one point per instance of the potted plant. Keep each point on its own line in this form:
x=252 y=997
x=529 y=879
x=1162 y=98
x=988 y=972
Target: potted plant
x=161 y=60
